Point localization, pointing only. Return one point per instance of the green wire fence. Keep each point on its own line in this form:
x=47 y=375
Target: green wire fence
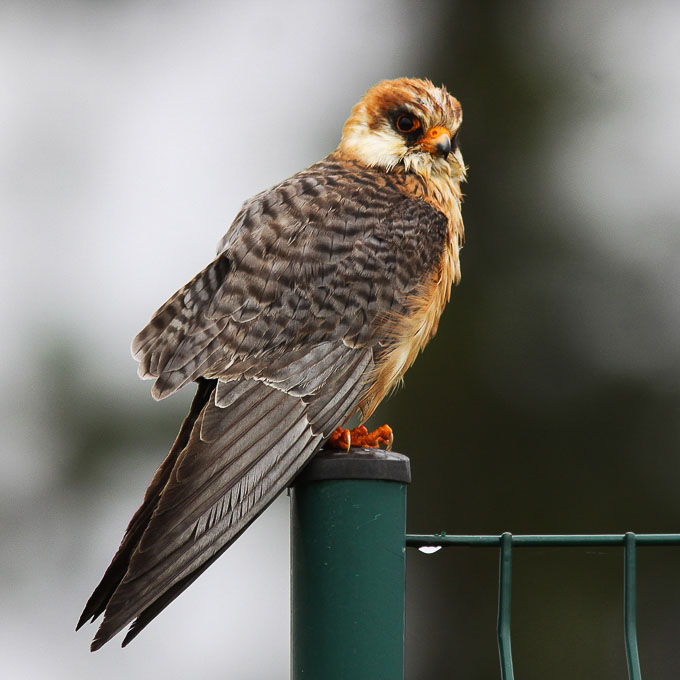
x=348 y=569
x=505 y=542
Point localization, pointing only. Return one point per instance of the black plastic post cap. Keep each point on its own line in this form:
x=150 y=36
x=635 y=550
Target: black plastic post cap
x=357 y=463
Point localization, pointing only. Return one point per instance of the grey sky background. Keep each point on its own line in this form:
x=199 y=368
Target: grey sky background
x=130 y=133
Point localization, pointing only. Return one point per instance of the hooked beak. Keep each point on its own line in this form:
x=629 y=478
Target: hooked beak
x=437 y=141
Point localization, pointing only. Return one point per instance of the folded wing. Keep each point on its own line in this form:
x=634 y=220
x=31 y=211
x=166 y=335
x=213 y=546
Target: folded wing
x=281 y=331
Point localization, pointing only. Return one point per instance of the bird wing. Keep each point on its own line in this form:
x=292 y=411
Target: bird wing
x=326 y=255
x=281 y=331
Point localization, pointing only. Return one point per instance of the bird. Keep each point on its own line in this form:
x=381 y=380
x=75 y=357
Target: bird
x=323 y=291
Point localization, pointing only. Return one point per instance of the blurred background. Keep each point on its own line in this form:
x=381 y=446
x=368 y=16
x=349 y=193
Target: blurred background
x=549 y=402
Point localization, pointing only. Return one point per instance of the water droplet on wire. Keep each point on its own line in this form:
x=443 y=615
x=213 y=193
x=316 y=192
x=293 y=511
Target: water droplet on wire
x=429 y=549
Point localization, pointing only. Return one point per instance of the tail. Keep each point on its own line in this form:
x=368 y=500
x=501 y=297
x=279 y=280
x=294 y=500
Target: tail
x=228 y=463
x=200 y=501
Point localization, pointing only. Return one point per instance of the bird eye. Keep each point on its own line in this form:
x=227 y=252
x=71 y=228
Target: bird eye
x=406 y=123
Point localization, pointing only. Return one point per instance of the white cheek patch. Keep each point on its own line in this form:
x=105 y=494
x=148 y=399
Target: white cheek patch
x=380 y=148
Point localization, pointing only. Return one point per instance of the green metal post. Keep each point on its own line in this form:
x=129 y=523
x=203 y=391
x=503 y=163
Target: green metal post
x=348 y=542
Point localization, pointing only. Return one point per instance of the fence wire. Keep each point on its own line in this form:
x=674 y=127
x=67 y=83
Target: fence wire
x=506 y=542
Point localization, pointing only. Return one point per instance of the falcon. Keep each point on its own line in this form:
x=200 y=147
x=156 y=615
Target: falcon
x=324 y=290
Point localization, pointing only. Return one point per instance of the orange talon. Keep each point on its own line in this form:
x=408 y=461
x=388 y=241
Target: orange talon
x=340 y=439
x=383 y=436
x=361 y=437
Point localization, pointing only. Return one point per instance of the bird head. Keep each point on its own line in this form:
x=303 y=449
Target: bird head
x=406 y=123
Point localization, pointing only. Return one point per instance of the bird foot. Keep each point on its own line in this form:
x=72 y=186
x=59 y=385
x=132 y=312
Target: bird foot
x=360 y=436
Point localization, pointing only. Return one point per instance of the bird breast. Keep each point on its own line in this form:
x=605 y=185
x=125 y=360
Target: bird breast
x=413 y=330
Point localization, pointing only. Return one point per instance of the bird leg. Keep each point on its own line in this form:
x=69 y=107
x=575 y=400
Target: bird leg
x=361 y=437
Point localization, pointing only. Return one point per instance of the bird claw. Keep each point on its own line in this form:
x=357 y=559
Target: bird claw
x=360 y=436
x=340 y=439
